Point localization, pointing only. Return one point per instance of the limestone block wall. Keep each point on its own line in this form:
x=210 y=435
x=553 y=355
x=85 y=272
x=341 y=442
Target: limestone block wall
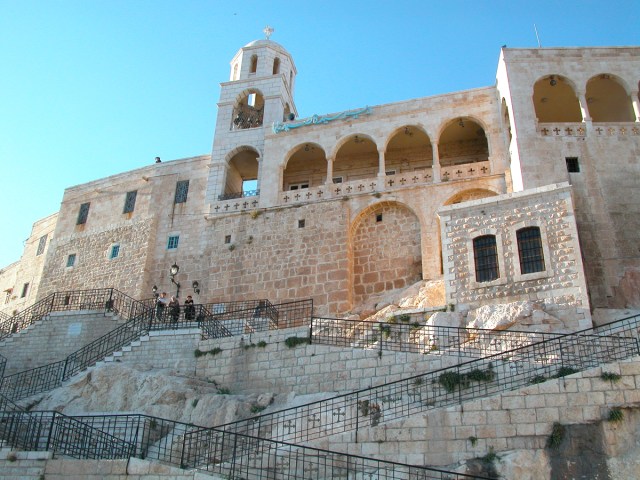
x=561 y=287
x=93 y=266
x=244 y=367
x=517 y=420
x=54 y=338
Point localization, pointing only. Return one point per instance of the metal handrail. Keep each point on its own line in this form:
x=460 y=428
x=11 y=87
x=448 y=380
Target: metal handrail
x=420 y=338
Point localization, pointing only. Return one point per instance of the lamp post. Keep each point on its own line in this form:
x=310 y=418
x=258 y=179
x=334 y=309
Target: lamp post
x=172 y=273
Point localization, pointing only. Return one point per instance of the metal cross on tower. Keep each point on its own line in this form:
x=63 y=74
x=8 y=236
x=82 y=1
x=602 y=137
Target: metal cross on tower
x=268 y=30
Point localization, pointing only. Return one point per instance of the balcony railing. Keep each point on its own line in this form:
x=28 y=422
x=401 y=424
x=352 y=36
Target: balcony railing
x=580 y=129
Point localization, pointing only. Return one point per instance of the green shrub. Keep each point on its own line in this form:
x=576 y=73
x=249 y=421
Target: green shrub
x=293 y=342
x=538 y=379
x=564 y=371
x=613 y=377
x=262 y=344
x=473 y=440
x=257 y=408
x=405 y=318
x=556 y=436
x=223 y=391
x=615 y=415
x=392 y=319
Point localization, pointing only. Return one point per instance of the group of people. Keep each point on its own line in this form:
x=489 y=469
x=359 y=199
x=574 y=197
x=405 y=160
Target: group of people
x=173 y=306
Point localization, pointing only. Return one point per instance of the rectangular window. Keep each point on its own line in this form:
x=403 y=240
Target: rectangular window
x=298 y=186
x=390 y=172
x=7 y=295
x=182 y=189
x=172 y=244
x=572 y=165
x=115 y=251
x=130 y=202
x=25 y=289
x=336 y=179
x=83 y=213
x=301 y=223
x=530 y=250
x=227 y=239
x=71 y=260
x=42 y=244
x=485 y=255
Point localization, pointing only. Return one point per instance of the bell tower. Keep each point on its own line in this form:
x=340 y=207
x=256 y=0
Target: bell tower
x=259 y=92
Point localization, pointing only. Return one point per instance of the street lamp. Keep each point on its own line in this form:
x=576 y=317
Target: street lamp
x=172 y=273
x=196 y=287
x=155 y=291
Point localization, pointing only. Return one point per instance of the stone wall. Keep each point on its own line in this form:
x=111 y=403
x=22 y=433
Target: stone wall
x=54 y=338
x=561 y=286
x=387 y=252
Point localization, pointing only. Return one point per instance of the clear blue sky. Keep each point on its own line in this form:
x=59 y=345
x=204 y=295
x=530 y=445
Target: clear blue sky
x=91 y=88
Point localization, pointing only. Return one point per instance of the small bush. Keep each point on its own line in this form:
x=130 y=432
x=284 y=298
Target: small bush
x=538 y=379
x=405 y=318
x=613 y=377
x=450 y=380
x=392 y=319
x=418 y=381
x=257 y=408
x=198 y=353
x=262 y=344
x=12 y=457
x=293 y=342
x=615 y=415
x=223 y=391
x=556 y=436
x=490 y=457
x=473 y=440
x=564 y=371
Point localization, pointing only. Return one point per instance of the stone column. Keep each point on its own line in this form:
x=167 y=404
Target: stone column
x=382 y=170
x=584 y=109
x=435 y=168
x=329 y=180
x=636 y=105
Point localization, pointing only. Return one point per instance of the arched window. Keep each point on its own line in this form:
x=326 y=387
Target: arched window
x=254 y=64
x=485 y=256
x=276 y=66
x=530 y=250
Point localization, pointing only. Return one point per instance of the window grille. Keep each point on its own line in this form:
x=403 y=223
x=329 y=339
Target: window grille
x=71 y=260
x=172 y=244
x=182 y=189
x=41 y=244
x=130 y=202
x=115 y=251
x=530 y=250
x=573 y=166
x=485 y=255
x=83 y=213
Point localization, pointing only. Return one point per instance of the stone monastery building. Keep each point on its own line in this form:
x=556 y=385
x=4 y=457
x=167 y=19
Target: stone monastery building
x=523 y=190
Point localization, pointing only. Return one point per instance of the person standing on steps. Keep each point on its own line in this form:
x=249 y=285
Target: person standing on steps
x=174 y=309
x=189 y=309
x=161 y=303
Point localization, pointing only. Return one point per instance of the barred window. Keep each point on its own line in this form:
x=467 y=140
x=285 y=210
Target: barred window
x=130 y=202
x=182 y=189
x=83 y=213
x=530 y=250
x=25 y=289
x=115 y=251
x=71 y=260
x=172 y=244
x=42 y=244
x=485 y=255
x=573 y=166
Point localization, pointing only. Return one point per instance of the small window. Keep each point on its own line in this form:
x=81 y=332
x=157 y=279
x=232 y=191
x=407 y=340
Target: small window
x=336 y=179
x=254 y=64
x=300 y=223
x=7 y=295
x=172 y=244
x=182 y=190
x=573 y=166
x=298 y=186
x=130 y=202
x=485 y=255
x=276 y=66
x=115 y=251
x=378 y=217
x=390 y=172
x=71 y=260
x=227 y=239
x=83 y=214
x=530 y=250
x=25 y=290
x=41 y=245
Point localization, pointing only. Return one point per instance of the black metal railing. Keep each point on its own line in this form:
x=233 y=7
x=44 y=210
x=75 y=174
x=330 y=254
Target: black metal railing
x=415 y=337
x=105 y=299
x=61 y=434
x=241 y=456
x=294 y=314
x=3 y=365
x=232 y=195
x=448 y=386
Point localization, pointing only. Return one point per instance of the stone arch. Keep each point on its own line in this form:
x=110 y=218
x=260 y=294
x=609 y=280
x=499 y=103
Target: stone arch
x=608 y=99
x=304 y=167
x=555 y=100
x=469 y=194
x=386 y=250
x=248 y=111
x=461 y=141
x=241 y=178
x=356 y=158
x=408 y=148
